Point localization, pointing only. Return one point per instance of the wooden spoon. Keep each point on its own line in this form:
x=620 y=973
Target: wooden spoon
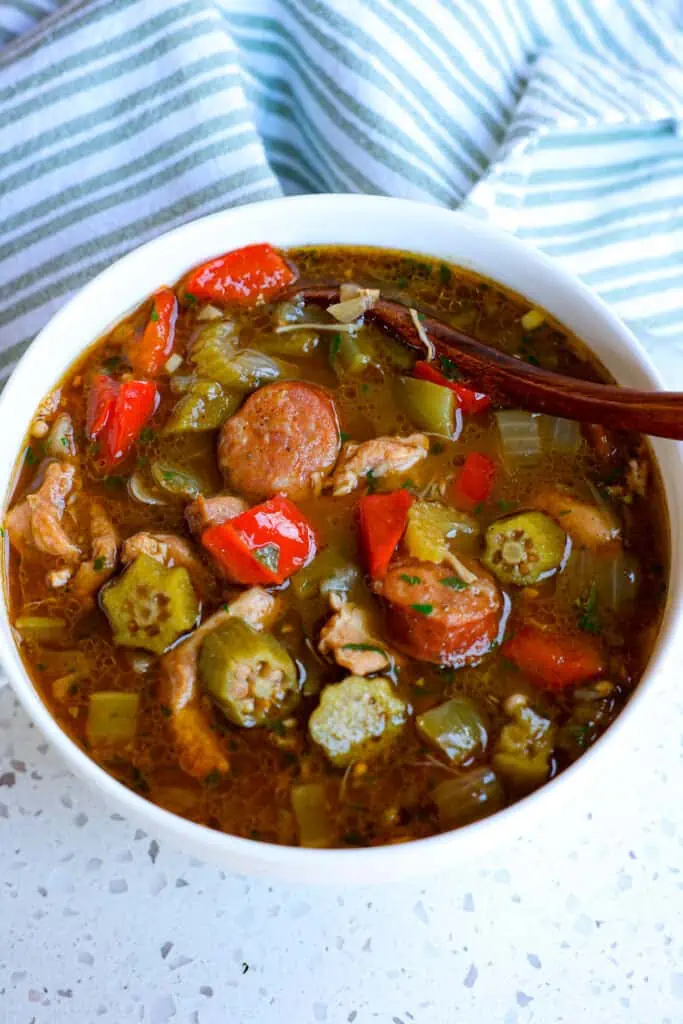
x=510 y=381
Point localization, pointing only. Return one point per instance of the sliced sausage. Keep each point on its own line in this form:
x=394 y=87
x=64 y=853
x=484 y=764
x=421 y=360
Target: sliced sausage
x=284 y=440
x=432 y=616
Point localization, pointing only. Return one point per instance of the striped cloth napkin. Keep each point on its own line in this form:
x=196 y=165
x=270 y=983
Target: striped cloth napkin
x=559 y=120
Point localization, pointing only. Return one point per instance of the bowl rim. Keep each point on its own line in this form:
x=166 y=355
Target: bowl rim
x=416 y=855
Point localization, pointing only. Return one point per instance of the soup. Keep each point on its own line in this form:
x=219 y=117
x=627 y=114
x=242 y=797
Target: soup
x=286 y=579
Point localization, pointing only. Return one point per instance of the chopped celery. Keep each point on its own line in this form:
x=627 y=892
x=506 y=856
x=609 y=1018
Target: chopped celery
x=296 y=344
x=149 y=605
x=249 y=675
x=519 y=437
x=314 y=826
x=175 y=481
x=204 y=406
x=523 y=750
x=352 y=353
x=212 y=345
x=357 y=719
x=329 y=572
x=429 y=406
x=468 y=797
x=524 y=548
x=431 y=525
x=112 y=717
x=455 y=728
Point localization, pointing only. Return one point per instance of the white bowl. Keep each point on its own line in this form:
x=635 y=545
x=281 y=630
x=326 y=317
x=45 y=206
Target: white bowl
x=359 y=220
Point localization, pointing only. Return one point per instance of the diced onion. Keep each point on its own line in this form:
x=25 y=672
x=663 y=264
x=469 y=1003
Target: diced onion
x=140 y=491
x=533 y=319
x=519 y=436
x=561 y=435
x=173 y=362
x=210 y=313
x=354 y=302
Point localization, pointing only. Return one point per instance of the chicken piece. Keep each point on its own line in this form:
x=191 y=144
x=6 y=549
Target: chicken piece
x=199 y=749
x=36 y=522
x=104 y=547
x=171 y=551
x=348 y=637
x=379 y=456
x=591 y=526
x=57 y=578
x=257 y=607
x=205 y=512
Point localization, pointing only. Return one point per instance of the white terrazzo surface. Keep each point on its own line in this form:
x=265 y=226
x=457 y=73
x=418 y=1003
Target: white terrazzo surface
x=581 y=920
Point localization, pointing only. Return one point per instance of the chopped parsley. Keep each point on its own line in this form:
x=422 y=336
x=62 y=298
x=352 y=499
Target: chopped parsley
x=449 y=368
x=213 y=778
x=444 y=274
x=581 y=735
x=335 y=345
x=436 y=448
x=147 y=434
x=506 y=506
x=423 y=609
x=112 y=363
x=31 y=456
x=411 y=580
x=371 y=480
x=268 y=555
x=166 y=712
x=64 y=441
x=455 y=583
x=343 y=436
x=154 y=315
x=99 y=564
x=402 y=283
x=190 y=299
x=114 y=483
x=478 y=507
x=589 y=619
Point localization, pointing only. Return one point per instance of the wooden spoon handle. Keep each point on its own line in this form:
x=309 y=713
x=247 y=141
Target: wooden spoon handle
x=510 y=381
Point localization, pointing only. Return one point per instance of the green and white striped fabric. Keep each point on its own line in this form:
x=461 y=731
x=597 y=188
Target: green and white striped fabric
x=559 y=120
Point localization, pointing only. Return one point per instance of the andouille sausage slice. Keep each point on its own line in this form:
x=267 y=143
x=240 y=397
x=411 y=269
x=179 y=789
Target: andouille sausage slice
x=432 y=616
x=284 y=440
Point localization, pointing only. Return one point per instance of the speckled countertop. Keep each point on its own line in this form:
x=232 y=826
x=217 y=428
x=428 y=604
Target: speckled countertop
x=581 y=920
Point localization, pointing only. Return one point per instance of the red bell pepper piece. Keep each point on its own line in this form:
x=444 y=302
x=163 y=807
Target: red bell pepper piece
x=474 y=482
x=554 y=660
x=241 y=276
x=150 y=353
x=117 y=412
x=468 y=400
x=101 y=402
x=266 y=544
x=382 y=520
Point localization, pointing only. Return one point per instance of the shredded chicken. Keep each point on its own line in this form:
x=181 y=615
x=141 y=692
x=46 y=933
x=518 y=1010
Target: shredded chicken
x=348 y=637
x=379 y=456
x=199 y=749
x=205 y=512
x=104 y=546
x=171 y=551
x=37 y=521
